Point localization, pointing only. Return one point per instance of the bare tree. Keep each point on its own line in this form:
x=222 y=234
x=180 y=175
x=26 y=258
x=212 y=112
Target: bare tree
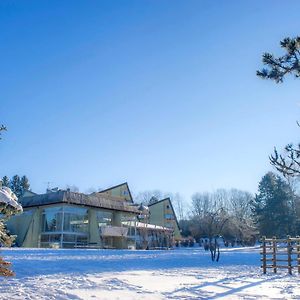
x=210 y=218
x=72 y=188
x=90 y=190
x=145 y=196
x=225 y=213
x=178 y=204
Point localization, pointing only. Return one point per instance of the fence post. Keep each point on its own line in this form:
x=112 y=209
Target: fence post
x=264 y=261
x=274 y=254
x=298 y=253
x=289 y=253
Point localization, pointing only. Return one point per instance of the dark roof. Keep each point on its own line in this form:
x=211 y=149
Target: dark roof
x=67 y=197
x=116 y=186
x=167 y=199
x=29 y=193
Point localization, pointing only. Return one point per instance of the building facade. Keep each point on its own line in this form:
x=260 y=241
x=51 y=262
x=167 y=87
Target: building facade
x=64 y=219
x=162 y=213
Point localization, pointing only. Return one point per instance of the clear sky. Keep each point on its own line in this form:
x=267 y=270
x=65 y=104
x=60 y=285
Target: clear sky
x=161 y=94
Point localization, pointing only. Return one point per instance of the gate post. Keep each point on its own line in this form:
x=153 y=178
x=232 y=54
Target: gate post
x=289 y=253
x=274 y=254
x=264 y=262
x=298 y=253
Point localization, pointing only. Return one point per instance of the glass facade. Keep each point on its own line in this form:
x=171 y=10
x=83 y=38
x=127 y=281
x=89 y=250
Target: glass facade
x=52 y=219
x=75 y=219
x=104 y=218
x=64 y=226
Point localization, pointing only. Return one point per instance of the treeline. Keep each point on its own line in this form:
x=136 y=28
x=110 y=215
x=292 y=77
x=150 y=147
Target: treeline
x=17 y=184
x=225 y=213
x=241 y=217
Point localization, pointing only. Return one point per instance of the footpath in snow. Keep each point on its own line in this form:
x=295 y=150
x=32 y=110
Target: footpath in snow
x=126 y=274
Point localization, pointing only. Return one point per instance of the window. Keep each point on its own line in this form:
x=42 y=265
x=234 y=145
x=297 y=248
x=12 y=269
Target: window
x=50 y=240
x=64 y=226
x=75 y=219
x=169 y=217
x=52 y=219
x=104 y=218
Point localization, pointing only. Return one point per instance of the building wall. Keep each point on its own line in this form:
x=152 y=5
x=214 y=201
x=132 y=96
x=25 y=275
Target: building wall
x=30 y=227
x=162 y=214
x=157 y=212
x=94 y=237
x=33 y=231
x=19 y=225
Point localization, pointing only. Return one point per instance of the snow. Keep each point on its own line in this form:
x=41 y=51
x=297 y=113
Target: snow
x=7 y=197
x=128 y=274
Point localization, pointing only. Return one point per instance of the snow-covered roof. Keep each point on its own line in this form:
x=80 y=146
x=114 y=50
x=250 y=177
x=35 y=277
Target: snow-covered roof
x=93 y=200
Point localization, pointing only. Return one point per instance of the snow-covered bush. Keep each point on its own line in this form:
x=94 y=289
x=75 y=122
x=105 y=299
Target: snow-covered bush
x=8 y=207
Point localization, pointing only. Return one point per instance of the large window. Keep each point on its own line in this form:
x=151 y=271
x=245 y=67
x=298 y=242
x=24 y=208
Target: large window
x=75 y=219
x=104 y=218
x=52 y=219
x=64 y=226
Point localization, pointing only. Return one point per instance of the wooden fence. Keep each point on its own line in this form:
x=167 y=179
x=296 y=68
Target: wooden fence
x=280 y=254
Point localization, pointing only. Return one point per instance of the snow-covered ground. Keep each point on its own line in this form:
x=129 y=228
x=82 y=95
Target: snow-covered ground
x=126 y=274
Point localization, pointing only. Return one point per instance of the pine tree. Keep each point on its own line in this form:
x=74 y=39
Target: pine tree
x=273 y=207
x=15 y=185
x=7 y=209
x=5 y=181
x=2 y=128
x=24 y=184
x=276 y=68
x=5 y=212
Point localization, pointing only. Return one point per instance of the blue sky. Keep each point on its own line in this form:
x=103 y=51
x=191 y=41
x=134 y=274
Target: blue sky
x=161 y=94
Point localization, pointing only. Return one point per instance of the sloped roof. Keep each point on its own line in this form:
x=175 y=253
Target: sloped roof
x=116 y=186
x=169 y=200
x=67 y=197
x=28 y=193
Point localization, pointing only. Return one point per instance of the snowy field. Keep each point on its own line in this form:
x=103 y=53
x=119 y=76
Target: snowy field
x=123 y=274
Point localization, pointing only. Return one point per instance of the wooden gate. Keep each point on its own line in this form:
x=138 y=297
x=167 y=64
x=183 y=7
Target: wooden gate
x=280 y=254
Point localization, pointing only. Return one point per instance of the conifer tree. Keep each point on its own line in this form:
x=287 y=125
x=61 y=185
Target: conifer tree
x=277 y=68
x=273 y=207
x=2 y=128
x=24 y=184
x=5 y=181
x=8 y=207
x=15 y=185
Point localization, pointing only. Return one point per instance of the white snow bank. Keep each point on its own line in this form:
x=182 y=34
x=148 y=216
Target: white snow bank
x=121 y=274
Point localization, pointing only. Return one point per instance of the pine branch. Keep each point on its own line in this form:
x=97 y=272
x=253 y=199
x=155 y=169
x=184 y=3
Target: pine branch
x=277 y=68
x=2 y=128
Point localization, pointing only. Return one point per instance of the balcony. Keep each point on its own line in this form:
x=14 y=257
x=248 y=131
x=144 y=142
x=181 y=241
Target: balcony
x=117 y=231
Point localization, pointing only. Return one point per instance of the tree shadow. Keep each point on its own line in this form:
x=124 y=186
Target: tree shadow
x=199 y=291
